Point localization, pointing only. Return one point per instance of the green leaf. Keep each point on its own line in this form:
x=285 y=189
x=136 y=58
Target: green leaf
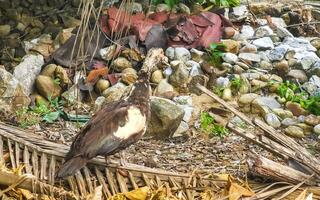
x=51 y=117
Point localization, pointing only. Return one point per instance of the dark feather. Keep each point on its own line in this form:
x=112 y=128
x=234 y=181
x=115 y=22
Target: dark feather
x=97 y=138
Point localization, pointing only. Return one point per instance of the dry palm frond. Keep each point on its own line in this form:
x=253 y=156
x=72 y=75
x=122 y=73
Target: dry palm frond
x=41 y=158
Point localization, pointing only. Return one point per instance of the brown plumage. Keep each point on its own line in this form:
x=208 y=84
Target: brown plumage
x=116 y=126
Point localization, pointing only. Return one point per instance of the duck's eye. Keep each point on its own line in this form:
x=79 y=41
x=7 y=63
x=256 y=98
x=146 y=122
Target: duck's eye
x=122 y=123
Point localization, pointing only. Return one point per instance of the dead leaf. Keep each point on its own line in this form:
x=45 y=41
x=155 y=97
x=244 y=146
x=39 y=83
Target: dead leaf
x=302 y=196
x=157 y=37
x=159 y=17
x=138 y=194
x=96 y=194
x=236 y=191
x=95 y=74
x=113 y=78
x=26 y=194
x=132 y=54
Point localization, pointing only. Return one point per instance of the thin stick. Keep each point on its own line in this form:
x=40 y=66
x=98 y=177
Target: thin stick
x=225 y=104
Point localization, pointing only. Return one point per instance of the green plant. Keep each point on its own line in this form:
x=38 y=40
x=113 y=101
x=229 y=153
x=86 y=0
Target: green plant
x=225 y=3
x=236 y=83
x=218 y=90
x=170 y=3
x=41 y=112
x=290 y=92
x=56 y=81
x=216 y=52
x=26 y=118
x=209 y=126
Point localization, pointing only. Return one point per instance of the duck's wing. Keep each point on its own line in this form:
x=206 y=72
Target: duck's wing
x=99 y=131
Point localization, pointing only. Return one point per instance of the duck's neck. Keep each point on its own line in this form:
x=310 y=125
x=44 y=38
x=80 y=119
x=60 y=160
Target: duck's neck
x=139 y=94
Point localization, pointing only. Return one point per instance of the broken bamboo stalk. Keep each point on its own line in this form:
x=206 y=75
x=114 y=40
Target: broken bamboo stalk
x=276 y=171
x=279 y=140
x=30 y=183
x=225 y=104
x=301 y=155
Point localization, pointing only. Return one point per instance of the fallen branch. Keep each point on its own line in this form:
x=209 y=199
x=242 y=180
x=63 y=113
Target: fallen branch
x=270 y=139
x=276 y=171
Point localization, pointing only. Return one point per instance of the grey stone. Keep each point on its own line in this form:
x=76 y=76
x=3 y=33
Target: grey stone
x=249 y=48
x=182 y=54
x=298 y=74
x=170 y=53
x=194 y=68
x=265 y=65
x=27 y=71
x=223 y=82
x=180 y=76
x=316 y=129
x=282 y=113
x=12 y=93
x=315 y=69
x=294 y=131
x=283 y=32
x=230 y=58
x=264 y=43
x=166 y=116
x=164 y=89
x=4 y=30
x=277 y=53
x=168 y=71
x=289 y=122
x=309 y=60
x=315 y=80
x=114 y=93
x=299 y=45
x=99 y=102
x=263 y=31
x=273 y=120
x=278 y=21
x=262 y=103
x=183 y=100
x=245 y=33
x=250 y=57
x=183 y=128
x=240 y=11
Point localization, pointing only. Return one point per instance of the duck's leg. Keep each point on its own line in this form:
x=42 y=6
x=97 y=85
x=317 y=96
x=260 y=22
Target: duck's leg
x=123 y=160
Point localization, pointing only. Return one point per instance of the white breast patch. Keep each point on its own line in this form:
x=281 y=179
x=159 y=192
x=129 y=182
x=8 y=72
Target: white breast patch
x=135 y=123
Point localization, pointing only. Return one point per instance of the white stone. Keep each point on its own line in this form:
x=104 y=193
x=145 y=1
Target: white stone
x=170 y=53
x=263 y=31
x=230 y=58
x=194 y=68
x=278 y=21
x=245 y=33
x=316 y=129
x=299 y=45
x=250 y=56
x=273 y=120
x=240 y=10
x=283 y=32
x=264 y=43
x=27 y=71
x=182 y=54
x=222 y=82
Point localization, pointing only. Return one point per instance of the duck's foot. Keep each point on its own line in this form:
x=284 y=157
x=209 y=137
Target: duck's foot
x=123 y=160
